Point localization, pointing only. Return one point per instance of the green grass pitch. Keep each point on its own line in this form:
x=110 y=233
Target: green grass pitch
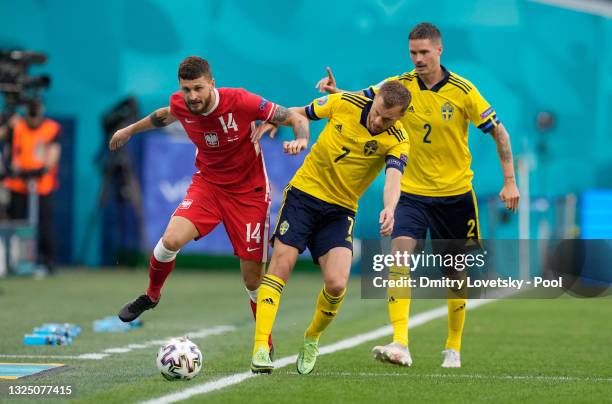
x=540 y=351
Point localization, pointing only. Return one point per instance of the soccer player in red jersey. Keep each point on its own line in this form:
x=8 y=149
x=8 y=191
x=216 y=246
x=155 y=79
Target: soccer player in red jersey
x=231 y=184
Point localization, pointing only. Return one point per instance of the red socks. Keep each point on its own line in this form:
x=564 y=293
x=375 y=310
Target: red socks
x=158 y=272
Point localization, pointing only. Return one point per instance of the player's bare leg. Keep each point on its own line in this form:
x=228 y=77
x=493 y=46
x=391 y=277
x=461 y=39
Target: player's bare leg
x=268 y=301
x=336 y=267
x=397 y=352
x=178 y=233
x=252 y=273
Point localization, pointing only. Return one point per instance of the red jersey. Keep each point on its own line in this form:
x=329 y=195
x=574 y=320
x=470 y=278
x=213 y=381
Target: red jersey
x=225 y=155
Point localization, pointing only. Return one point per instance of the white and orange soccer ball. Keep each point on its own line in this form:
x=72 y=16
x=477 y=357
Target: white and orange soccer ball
x=179 y=359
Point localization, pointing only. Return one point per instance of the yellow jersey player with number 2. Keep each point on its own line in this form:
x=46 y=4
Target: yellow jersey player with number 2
x=437 y=193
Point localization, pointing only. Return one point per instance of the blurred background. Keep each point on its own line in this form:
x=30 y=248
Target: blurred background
x=545 y=66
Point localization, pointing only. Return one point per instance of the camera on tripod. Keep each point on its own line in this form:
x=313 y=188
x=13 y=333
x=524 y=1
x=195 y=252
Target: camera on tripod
x=16 y=84
x=18 y=87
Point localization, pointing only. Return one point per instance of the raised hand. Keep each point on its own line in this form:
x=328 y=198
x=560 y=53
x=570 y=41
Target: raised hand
x=327 y=84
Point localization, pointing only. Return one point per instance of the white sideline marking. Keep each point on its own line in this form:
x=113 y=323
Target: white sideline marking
x=204 y=332
x=539 y=378
x=416 y=320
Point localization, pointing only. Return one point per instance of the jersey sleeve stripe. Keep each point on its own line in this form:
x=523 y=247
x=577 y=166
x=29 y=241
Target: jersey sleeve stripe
x=458 y=83
x=407 y=76
x=271 y=113
x=310 y=113
x=458 y=86
x=465 y=83
x=397 y=133
x=358 y=105
x=355 y=98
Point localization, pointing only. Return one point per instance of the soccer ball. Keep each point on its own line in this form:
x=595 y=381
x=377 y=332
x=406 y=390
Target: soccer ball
x=179 y=359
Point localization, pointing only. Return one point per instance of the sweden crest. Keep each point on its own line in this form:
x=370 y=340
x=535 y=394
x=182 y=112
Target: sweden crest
x=283 y=227
x=447 y=111
x=370 y=147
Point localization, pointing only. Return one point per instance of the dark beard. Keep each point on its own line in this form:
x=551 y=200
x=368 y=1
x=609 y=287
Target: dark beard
x=201 y=107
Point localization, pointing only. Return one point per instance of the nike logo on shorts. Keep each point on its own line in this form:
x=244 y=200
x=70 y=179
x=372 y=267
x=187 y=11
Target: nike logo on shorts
x=249 y=249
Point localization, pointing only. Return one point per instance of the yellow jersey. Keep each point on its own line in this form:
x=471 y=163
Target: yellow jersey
x=437 y=125
x=346 y=157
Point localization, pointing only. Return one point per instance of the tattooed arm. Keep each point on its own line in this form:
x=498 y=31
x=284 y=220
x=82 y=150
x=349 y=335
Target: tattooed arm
x=509 y=193
x=157 y=119
x=294 y=117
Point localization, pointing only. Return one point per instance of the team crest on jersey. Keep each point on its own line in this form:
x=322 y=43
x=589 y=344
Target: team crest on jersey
x=447 y=111
x=262 y=104
x=338 y=128
x=370 y=147
x=283 y=227
x=185 y=204
x=411 y=109
x=212 y=140
x=322 y=101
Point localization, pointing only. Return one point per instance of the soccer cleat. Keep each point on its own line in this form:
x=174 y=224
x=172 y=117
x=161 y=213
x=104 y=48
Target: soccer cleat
x=307 y=357
x=133 y=309
x=394 y=352
x=261 y=362
x=452 y=359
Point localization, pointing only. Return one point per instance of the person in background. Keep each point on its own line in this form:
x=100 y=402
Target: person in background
x=35 y=152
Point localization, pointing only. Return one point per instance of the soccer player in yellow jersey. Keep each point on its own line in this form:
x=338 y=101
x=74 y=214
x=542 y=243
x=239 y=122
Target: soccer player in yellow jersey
x=437 y=192
x=361 y=137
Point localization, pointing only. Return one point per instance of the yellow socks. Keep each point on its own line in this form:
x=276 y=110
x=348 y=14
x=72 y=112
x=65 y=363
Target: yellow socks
x=327 y=307
x=456 y=320
x=399 y=305
x=268 y=300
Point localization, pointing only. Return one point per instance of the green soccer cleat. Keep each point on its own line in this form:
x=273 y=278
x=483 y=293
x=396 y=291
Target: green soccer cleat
x=261 y=362
x=308 y=356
